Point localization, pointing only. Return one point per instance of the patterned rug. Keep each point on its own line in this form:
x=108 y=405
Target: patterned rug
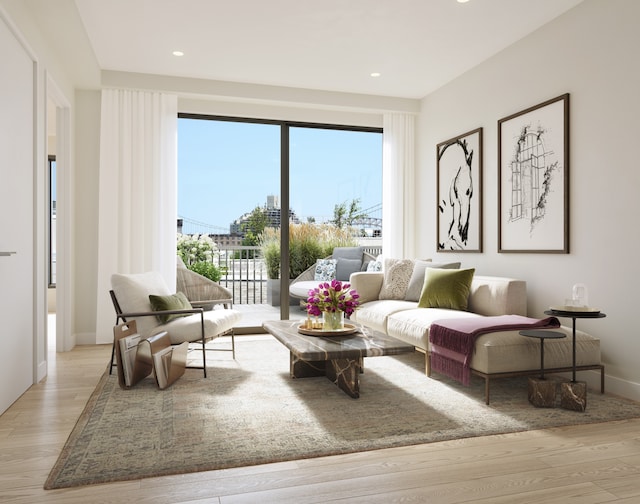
x=249 y=412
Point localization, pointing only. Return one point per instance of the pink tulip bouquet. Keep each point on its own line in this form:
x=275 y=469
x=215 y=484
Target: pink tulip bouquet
x=332 y=296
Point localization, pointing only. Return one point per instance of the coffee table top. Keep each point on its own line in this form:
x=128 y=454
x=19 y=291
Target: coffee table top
x=364 y=343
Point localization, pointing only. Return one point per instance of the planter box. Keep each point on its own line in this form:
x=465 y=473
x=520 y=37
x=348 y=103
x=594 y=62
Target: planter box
x=273 y=293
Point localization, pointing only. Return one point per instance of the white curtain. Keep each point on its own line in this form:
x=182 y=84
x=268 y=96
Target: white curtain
x=398 y=186
x=137 y=192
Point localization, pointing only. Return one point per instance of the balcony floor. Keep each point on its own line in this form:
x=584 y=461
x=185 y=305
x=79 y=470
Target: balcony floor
x=253 y=315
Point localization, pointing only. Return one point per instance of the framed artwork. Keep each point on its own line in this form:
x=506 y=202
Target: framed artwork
x=533 y=179
x=459 y=183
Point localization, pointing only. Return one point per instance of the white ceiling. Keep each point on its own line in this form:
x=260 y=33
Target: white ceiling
x=416 y=45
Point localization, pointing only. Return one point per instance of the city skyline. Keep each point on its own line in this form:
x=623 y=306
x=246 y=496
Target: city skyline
x=226 y=169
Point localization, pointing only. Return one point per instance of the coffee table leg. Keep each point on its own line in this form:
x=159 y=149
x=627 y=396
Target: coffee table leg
x=344 y=373
x=299 y=368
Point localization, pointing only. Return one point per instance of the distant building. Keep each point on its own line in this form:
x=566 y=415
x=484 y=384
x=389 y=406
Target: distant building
x=227 y=240
x=272 y=212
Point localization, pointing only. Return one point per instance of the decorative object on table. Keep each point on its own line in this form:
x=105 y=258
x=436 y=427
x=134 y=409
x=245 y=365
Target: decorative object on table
x=459 y=183
x=533 y=179
x=578 y=302
x=307 y=328
x=573 y=394
x=332 y=300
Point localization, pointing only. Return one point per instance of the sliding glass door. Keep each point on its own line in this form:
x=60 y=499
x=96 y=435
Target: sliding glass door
x=237 y=177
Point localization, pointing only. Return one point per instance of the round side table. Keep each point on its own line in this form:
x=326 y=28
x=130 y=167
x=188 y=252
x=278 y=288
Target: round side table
x=542 y=393
x=574 y=394
x=542 y=335
x=573 y=315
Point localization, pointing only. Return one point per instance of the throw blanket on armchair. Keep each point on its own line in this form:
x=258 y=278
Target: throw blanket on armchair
x=452 y=341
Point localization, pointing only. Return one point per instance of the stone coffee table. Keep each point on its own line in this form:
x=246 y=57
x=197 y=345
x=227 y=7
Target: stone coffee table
x=339 y=358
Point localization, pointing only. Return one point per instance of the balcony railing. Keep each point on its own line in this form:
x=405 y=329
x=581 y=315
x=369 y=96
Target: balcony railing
x=245 y=272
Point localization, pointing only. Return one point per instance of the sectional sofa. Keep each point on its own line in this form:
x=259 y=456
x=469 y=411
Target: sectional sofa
x=390 y=303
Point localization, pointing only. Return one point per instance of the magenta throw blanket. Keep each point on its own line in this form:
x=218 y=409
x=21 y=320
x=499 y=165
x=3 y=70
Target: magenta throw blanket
x=452 y=341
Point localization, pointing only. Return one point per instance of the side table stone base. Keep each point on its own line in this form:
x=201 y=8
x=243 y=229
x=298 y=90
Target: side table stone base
x=542 y=393
x=573 y=395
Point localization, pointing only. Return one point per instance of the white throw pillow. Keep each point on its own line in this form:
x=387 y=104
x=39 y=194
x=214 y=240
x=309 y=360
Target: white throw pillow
x=397 y=273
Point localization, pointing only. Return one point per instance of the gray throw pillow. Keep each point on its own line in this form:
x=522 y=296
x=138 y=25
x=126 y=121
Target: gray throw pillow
x=416 y=282
x=348 y=253
x=345 y=267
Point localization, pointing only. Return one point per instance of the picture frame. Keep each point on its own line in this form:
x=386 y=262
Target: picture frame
x=533 y=179
x=459 y=197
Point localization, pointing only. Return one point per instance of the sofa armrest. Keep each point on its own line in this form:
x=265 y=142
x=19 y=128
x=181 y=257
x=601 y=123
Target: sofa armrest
x=367 y=284
x=492 y=296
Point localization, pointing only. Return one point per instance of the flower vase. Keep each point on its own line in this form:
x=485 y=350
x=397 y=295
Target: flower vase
x=332 y=321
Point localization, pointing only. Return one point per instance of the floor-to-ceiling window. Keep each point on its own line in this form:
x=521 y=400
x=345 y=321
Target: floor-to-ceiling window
x=229 y=169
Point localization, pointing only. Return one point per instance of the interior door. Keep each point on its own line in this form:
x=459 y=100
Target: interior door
x=17 y=297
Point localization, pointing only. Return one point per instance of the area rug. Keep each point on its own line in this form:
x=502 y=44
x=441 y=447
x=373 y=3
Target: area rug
x=249 y=411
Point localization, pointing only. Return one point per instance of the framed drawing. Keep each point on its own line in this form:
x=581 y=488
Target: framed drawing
x=459 y=183
x=533 y=179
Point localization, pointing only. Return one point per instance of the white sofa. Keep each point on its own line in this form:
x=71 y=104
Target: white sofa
x=496 y=354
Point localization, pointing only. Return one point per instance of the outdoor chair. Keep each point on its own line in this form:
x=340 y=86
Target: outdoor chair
x=339 y=265
x=130 y=296
x=201 y=291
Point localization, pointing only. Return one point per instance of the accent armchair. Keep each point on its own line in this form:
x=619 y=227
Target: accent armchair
x=131 y=293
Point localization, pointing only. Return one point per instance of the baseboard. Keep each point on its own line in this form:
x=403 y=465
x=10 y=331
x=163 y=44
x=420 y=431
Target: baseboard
x=41 y=371
x=623 y=388
x=612 y=385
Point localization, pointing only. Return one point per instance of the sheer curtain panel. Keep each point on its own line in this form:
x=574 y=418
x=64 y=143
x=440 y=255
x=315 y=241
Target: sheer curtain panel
x=398 y=185
x=137 y=192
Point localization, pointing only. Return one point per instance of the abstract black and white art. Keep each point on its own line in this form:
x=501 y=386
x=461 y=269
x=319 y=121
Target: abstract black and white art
x=459 y=174
x=533 y=178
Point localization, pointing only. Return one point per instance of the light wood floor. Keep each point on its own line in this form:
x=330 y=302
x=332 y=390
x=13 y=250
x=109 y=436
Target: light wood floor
x=589 y=464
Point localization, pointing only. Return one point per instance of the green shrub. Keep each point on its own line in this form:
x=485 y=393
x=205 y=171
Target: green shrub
x=206 y=269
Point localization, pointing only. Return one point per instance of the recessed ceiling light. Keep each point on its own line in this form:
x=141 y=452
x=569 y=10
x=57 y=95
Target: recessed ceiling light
x=375 y=74
x=463 y=1
x=177 y=53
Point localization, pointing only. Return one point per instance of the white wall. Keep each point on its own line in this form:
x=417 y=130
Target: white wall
x=591 y=53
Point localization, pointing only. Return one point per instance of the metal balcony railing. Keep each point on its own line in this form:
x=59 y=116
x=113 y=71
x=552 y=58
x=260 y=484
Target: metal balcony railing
x=245 y=273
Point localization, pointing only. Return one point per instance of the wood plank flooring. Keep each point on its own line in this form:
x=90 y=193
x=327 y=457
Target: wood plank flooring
x=589 y=464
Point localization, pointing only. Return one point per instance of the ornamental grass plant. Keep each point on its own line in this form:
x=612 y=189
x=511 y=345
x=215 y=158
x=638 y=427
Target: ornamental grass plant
x=307 y=243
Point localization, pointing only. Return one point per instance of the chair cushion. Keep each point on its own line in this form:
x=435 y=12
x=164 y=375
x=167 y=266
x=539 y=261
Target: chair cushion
x=348 y=253
x=183 y=329
x=177 y=301
x=132 y=292
x=345 y=267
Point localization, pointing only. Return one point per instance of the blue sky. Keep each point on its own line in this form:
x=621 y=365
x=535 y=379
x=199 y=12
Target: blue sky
x=226 y=169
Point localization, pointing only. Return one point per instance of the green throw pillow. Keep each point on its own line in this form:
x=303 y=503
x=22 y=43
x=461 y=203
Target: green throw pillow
x=177 y=301
x=445 y=288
